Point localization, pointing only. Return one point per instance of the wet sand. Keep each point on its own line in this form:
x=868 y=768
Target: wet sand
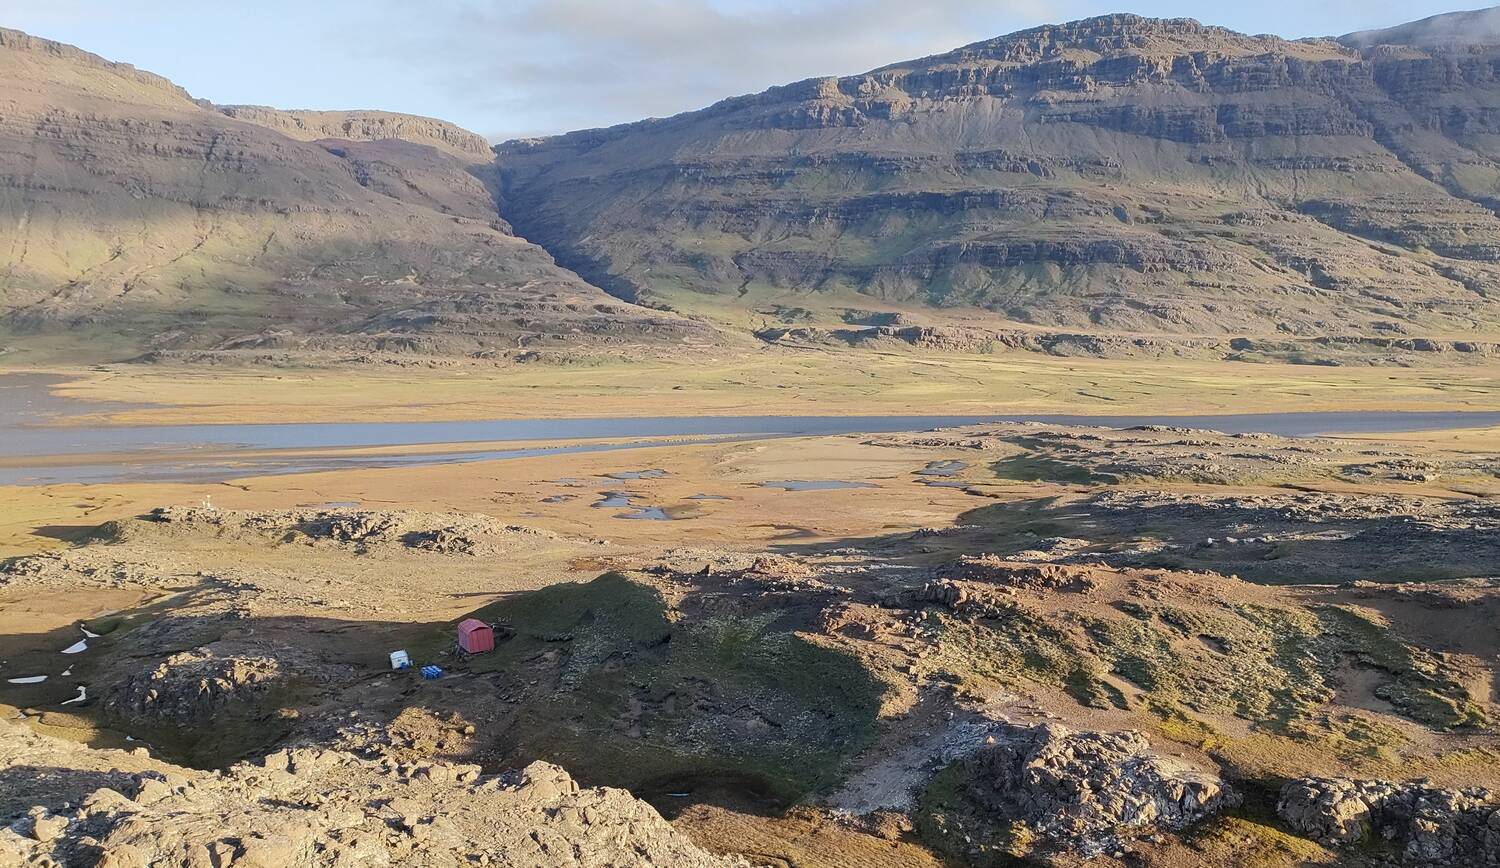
x=46 y=516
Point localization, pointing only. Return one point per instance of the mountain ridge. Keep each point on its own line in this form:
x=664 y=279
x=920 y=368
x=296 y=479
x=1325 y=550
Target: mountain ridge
x=364 y=125
x=137 y=219
x=1119 y=181
x=1117 y=152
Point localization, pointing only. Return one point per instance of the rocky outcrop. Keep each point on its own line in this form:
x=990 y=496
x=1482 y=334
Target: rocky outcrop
x=364 y=530
x=990 y=589
x=1078 y=791
x=1426 y=825
x=17 y=41
x=1337 y=536
x=983 y=340
x=307 y=807
x=365 y=126
x=1038 y=578
x=190 y=688
x=1323 y=349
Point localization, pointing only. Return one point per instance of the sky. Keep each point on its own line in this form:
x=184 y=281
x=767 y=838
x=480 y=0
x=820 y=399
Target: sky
x=510 y=68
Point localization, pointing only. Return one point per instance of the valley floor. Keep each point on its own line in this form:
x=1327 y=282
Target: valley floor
x=804 y=651
x=772 y=380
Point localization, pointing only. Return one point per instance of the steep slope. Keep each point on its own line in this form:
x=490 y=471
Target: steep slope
x=133 y=217
x=1114 y=175
x=421 y=160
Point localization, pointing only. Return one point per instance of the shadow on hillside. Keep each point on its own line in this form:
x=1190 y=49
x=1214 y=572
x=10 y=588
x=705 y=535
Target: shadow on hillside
x=733 y=709
x=1257 y=542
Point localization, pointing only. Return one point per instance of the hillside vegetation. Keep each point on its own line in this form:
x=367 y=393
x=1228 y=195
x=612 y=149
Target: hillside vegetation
x=1118 y=175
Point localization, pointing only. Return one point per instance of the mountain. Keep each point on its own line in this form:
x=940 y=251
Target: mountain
x=134 y=217
x=1449 y=30
x=1101 y=186
x=1114 y=176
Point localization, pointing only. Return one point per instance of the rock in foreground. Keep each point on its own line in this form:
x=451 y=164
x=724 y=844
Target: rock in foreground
x=1077 y=791
x=309 y=807
x=1428 y=826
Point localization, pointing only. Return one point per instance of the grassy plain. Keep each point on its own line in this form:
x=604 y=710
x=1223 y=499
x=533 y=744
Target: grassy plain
x=769 y=382
x=772 y=381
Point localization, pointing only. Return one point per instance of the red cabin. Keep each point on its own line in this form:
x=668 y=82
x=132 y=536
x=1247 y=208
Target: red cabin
x=475 y=636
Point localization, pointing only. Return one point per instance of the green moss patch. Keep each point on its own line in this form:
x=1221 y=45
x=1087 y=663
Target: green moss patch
x=1276 y=667
x=1034 y=468
x=651 y=701
x=1416 y=681
x=950 y=825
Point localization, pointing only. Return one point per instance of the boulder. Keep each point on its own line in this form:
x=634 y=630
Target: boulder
x=306 y=807
x=1428 y=826
x=192 y=686
x=1079 y=791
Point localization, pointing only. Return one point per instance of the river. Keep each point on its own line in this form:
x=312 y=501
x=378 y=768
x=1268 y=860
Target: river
x=39 y=446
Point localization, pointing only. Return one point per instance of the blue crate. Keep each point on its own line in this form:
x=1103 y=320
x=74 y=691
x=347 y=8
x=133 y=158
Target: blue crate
x=431 y=672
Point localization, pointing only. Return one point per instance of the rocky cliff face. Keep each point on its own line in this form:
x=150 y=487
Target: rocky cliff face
x=1118 y=174
x=133 y=217
x=365 y=126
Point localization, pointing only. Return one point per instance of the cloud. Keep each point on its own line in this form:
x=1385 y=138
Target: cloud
x=543 y=66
